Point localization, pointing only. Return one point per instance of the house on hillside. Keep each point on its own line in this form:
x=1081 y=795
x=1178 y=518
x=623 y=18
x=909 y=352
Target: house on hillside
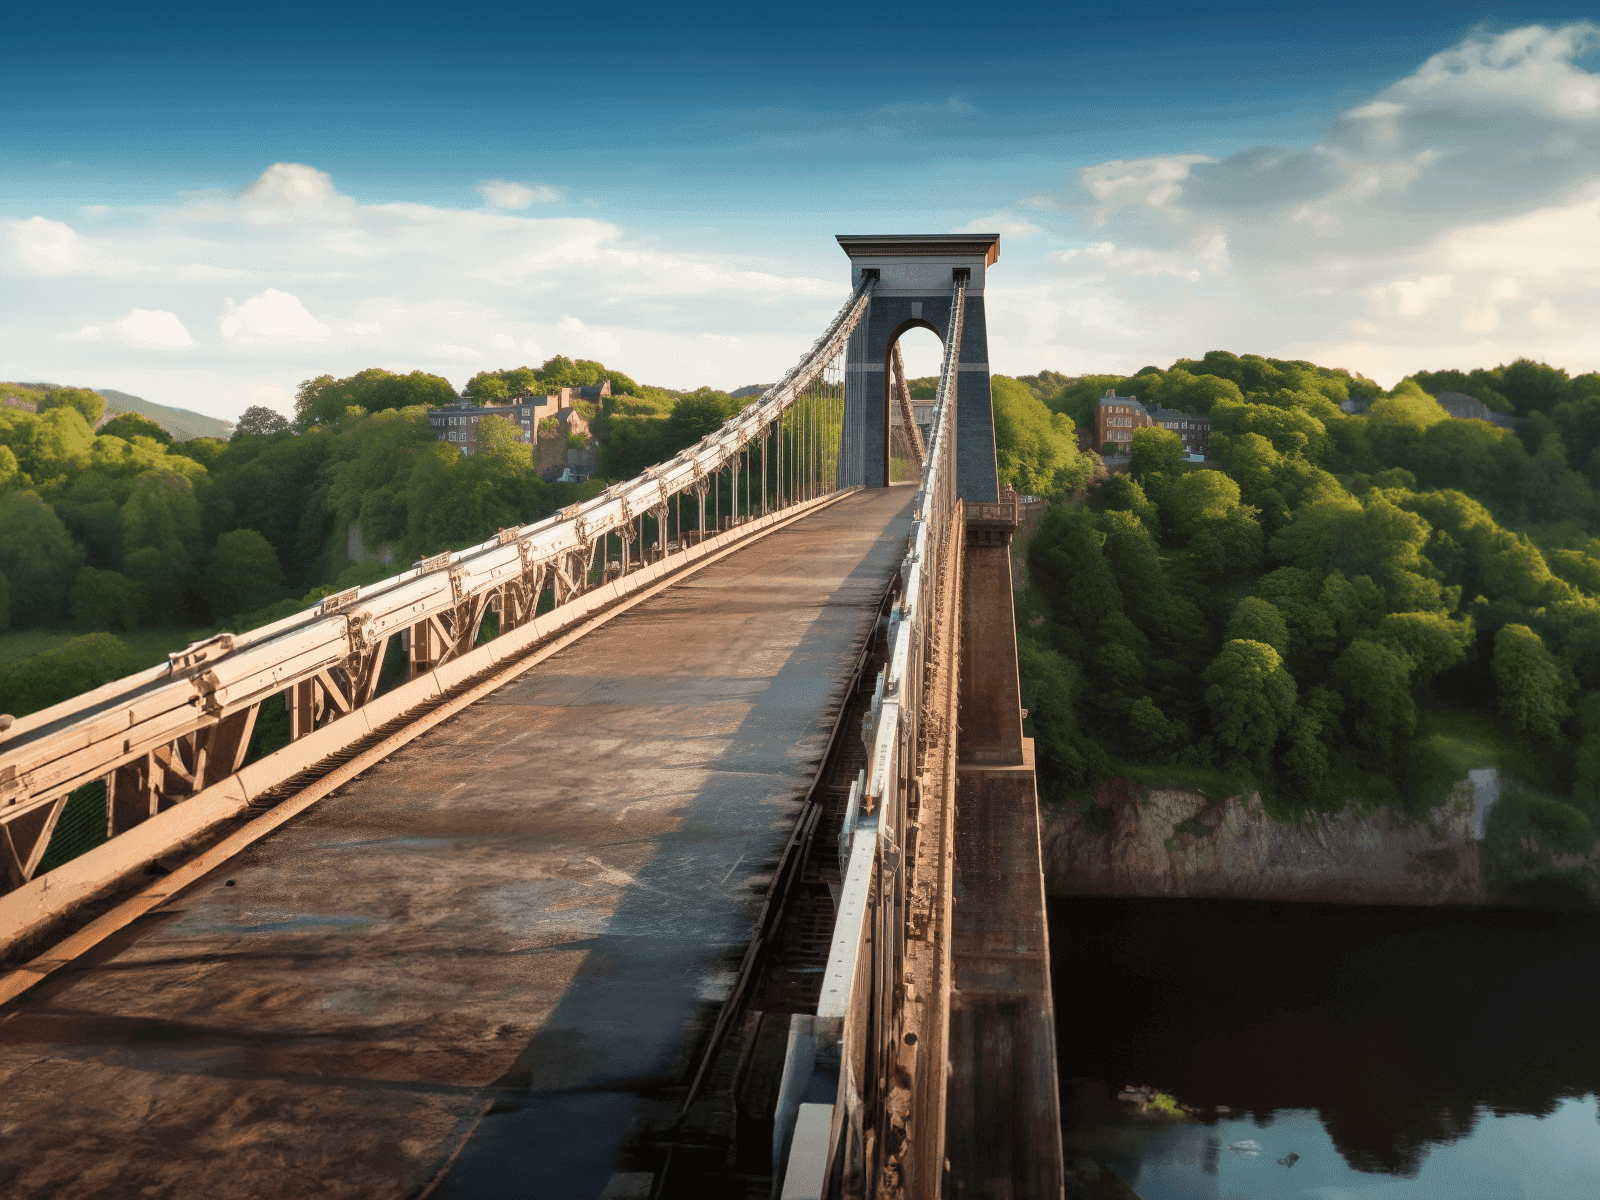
x=1194 y=430
x=458 y=423
x=1116 y=417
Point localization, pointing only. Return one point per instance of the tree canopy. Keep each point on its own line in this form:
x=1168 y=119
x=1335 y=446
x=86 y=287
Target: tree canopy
x=1387 y=558
x=325 y=399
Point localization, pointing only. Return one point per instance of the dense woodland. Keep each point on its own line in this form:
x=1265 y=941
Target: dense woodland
x=1339 y=606
x=1329 y=609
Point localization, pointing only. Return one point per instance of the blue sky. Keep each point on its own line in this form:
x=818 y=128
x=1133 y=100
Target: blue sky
x=207 y=206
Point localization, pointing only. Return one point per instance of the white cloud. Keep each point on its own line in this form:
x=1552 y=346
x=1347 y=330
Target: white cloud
x=294 y=192
x=142 y=327
x=1451 y=219
x=498 y=193
x=272 y=314
x=45 y=247
x=1152 y=182
x=1412 y=297
x=1003 y=224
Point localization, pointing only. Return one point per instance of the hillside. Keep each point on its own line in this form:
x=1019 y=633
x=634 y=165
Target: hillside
x=179 y=422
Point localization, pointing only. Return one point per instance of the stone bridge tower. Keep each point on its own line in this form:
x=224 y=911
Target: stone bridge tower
x=916 y=273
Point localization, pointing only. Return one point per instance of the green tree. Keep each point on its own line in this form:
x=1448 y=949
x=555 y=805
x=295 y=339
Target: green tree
x=1291 y=430
x=30 y=684
x=1251 y=698
x=1375 y=683
x=1409 y=406
x=161 y=511
x=1036 y=450
x=1374 y=538
x=502 y=440
x=1066 y=565
x=203 y=450
x=1532 y=685
x=324 y=400
x=1156 y=451
x=130 y=425
x=11 y=471
x=105 y=600
x=53 y=676
x=1534 y=386
x=1122 y=493
x=243 y=574
x=1431 y=641
x=1068 y=756
x=1199 y=498
x=90 y=405
x=1257 y=620
x=1079 y=400
x=38 y=557
x=1295 y=594
x=5 y=604
x=260 y=421
x=1577 y=568
x=49 y=446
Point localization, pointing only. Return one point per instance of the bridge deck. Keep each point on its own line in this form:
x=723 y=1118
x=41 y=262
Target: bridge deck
x=536 y=906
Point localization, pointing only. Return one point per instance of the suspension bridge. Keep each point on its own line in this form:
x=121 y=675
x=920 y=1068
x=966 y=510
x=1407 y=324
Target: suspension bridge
x=694 y=851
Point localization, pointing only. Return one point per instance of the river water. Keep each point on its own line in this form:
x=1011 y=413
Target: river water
x=1331 y=1052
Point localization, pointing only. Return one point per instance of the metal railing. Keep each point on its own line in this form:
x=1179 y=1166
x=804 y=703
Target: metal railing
x=162 y=737
x=865 y=1013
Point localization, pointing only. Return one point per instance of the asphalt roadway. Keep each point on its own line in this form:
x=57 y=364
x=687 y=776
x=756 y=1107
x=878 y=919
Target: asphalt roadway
x=473 y=970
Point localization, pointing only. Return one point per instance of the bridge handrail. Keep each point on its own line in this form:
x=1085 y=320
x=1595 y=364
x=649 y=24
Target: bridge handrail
x=858 y=1032
x=45 y=755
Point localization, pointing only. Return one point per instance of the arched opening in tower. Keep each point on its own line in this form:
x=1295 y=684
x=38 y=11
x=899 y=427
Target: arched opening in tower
x=913 y=382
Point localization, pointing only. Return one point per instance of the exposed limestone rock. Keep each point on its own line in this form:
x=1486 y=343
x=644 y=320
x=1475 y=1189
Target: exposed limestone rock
x=1170 y=843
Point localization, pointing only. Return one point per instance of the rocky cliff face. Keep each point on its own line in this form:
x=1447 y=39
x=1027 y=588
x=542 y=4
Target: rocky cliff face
x=1169 y=843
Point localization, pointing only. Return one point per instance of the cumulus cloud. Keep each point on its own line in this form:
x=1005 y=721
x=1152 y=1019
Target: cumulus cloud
x=142 y=327
x=44 y=247
x=1452 y=218
x=498 y=193
x=272 y=314
x=294 y=192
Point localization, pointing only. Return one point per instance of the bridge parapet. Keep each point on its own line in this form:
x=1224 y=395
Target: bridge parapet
x=884 y=1089
x=165 y=738
x=872 y=1059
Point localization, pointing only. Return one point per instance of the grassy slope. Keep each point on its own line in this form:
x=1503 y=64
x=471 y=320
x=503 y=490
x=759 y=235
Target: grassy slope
x=179 y=422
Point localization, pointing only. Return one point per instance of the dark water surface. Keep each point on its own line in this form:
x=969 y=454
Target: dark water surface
x=1412 y=1053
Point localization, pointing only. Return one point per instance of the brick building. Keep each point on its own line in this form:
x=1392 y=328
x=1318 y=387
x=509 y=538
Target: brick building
x=1116 y=418
x=1195 y=431
x=458 y=423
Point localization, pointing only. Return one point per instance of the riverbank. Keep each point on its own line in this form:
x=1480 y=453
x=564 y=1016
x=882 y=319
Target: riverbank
x=1154 y=842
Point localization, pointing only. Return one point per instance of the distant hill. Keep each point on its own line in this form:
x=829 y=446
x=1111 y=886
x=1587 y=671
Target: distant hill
x=179 y=422
x=755 y=389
